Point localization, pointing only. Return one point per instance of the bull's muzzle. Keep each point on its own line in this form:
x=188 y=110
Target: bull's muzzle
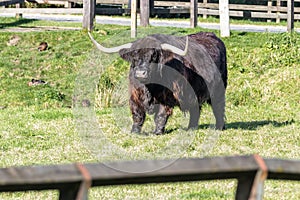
x=142 y=74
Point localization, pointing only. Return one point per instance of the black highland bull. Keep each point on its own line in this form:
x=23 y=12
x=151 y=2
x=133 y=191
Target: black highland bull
x=163 y=76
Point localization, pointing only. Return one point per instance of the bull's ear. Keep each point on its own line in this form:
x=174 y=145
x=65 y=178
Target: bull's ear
x=126 y=54
x=166 y=56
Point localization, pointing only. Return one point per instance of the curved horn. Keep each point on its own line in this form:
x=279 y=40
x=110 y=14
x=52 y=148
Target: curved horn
x=175 y=49
x=109 y=50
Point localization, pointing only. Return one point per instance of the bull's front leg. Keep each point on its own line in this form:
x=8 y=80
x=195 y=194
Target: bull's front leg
x=138 y=116
x=161 y=118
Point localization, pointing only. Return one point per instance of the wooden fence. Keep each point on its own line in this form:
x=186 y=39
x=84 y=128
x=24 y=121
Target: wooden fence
x=273 y=10
x=74 y=180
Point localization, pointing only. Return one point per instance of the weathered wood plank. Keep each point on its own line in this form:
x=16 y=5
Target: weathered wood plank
x=121 y=10
x=268 y=15
x=57 y=176
x=231 y=6
x=175 y=170
x=57 y=2
x=217 y=12
x=112 y=11
x=42 y=10
x=67 y=178
x=283 y=169
x=52 y=177
x=38 y=177
x=236 y=10
x=288 y=0
x=172 y=11
x=272 y=15
x=116 y=2
x=10 y=2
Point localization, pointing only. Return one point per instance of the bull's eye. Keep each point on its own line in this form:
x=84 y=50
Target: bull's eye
x=154 y=57
x=137 y=63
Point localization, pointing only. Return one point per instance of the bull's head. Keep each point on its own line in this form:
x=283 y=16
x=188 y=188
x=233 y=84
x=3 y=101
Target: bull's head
x=145 y=55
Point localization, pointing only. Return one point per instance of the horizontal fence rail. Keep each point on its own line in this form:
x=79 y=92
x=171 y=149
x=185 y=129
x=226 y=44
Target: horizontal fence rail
x=42 y=10
x=272 y=10
x=74 y=180
x=10 y=2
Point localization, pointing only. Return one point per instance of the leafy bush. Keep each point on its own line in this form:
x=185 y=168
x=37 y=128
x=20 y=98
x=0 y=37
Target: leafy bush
x=109 y=82
x=47 y=94
x=283 y=49
x=266 y=74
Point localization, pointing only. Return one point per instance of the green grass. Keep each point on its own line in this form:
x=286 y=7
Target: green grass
x=7 y=22
x=38 y=125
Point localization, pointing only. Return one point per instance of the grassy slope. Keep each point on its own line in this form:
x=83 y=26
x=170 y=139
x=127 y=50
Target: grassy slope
x=37 y=128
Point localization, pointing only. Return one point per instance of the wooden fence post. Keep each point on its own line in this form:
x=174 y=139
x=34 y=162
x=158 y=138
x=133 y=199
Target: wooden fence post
x=68 y=4
x=224 y=18
x=269 y=9
x=19 y=15
x=290 y=15
x=88 y=14
x=133 y=18
x=145 y=12
x=194 y=13
x=205 y=5
x=69 y=192
x=278 y=4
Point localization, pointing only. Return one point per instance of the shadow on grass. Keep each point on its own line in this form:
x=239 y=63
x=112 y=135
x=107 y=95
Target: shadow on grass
x=206 y=194
x=16 y=23
x=252 y=125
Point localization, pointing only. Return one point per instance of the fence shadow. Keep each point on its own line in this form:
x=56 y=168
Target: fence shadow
x=250 y=125
x=19 y=22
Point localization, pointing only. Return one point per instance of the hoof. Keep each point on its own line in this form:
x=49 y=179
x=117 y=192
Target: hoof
x=159 y=132
x=220 y=128
x=136 y=129
x=192 y=128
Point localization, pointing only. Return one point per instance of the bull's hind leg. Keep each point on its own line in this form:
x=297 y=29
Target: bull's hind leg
x=218 y=107
x=161 y=118
x=194 y=118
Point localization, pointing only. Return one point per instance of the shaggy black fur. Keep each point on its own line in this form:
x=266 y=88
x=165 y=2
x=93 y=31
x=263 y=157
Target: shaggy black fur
x=159 y=80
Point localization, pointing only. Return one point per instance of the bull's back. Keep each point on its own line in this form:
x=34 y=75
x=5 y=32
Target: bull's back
x=216 y=49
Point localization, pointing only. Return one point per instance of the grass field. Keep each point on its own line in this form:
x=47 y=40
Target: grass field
x=39 y=126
